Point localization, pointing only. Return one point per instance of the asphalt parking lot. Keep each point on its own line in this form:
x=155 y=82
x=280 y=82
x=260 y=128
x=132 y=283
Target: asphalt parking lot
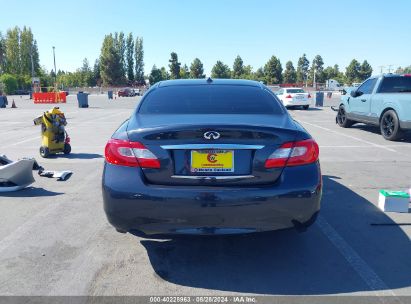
x=55 y=239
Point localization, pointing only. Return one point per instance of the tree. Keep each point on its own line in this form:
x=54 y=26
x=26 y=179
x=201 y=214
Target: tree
x=317 y=70
x=365 y=70
x=9 y=82
x=352 y=72
x=28 y=49
x=155 y=75
x=196 y=69
x=273 y=71
x=290 y=76
x=2 y=54
x=407 y=70
x=247 y=72
x=174 y=66
x=164 y=74
x=184 y=72
x=96 y=73
x=13 y=63
x=139 y=60
x=85 y=73
x=220 y=70
x=302 y=68
x=238 y=67
x=130 y=57
x=259 y=75
x=110 y=65
x=120 y=45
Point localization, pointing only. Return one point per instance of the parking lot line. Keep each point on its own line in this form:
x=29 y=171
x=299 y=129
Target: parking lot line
x=367 y=274
x=69 y=128
x=349 y=136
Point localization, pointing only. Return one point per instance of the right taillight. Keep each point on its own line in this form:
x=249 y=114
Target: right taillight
x=131 y=154
x=288 y=96
x=294 y=154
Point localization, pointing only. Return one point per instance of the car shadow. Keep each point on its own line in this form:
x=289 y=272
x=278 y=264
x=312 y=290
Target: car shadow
x=290 y=263
x=311 y=108
x=78 y=156
x=376 y=130
x=31 y=192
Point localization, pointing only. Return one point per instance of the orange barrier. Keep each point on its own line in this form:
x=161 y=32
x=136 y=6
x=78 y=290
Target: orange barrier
x=49 y=97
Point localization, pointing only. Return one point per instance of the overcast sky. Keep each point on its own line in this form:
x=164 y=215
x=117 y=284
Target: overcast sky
x=376 y=30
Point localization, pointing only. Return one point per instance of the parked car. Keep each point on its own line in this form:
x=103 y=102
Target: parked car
x=21 y=92
x=136 y=92
x=211 y=157
x=384 y=101
x=125 y=92
x=291 y=97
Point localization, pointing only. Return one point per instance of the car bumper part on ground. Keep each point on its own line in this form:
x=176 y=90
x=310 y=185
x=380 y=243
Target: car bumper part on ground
x=130 y=204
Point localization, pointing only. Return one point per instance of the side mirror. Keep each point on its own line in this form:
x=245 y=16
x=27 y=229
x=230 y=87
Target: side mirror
x=354 y=93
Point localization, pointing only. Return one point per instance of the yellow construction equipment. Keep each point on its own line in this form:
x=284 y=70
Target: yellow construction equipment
x=54 y=136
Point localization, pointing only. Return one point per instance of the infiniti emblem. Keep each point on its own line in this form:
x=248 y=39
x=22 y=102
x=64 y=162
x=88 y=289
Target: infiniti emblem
x=211 y=135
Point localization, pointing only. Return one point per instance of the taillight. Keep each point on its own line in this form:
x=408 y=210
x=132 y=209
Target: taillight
x=288 y=96
x=294 y=154
x=309 y=95
x=131 y=154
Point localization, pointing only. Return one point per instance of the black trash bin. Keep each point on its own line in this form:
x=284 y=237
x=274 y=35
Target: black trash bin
x=3 y=101
x=319 y=99
x=110 y=94
x=82 y=99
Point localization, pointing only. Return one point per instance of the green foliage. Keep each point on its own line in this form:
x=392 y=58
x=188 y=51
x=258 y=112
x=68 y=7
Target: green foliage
x=273 y=71
x=352 y=72
x=184 y=72
x=238 y=67
x=174 y=66
x=2 y=54
x=259 y=75
x=196 y=69
x=302 y=68
x=110 y=62
x=290 y=75
x=220 y=70
x=407 y=70
x=9 y=82
x=317 y=67
x=155 y=75
x=139 y=60
x=130 y=57
x=96 y=73
x=365 y=70
x=164 y=74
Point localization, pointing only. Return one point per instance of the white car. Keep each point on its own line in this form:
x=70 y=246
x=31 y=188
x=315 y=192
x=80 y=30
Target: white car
x=291 y=97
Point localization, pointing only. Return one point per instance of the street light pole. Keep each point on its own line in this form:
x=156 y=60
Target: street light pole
x=55 y=72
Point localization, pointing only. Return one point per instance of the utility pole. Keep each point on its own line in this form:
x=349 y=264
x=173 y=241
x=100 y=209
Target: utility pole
x=389 y=68
x=381 y=68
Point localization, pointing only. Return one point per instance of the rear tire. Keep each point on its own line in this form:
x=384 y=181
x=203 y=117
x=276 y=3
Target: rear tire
x=342 y=119
x=44 y=152
x=67 y=149
x=390 y=126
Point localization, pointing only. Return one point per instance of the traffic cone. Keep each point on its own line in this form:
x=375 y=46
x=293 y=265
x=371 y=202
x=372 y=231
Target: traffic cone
x=13 y=105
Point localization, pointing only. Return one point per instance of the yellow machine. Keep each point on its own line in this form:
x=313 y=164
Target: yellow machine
x=54 y=137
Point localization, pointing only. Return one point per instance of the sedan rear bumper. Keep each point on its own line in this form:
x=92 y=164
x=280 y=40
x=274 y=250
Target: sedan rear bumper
x=130 y=204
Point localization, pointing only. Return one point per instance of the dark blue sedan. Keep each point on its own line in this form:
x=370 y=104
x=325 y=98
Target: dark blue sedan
x=211 y=156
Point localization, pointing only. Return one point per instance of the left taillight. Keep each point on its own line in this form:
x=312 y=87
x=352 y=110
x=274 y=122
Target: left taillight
x=131 y=154
x=294 y=154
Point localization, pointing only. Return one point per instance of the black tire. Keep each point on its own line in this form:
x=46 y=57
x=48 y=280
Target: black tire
x=342 y=119
x=67 y=149
x=390 y=126
x=306 y=107
x=44 y=152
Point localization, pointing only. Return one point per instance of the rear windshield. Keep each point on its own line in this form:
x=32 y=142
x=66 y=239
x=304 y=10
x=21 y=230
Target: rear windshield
x=210 y=99
x=400 y=84
x=295 y=91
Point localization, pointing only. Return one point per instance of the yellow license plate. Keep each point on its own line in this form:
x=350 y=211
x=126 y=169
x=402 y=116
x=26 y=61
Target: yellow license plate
x=212 y=161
